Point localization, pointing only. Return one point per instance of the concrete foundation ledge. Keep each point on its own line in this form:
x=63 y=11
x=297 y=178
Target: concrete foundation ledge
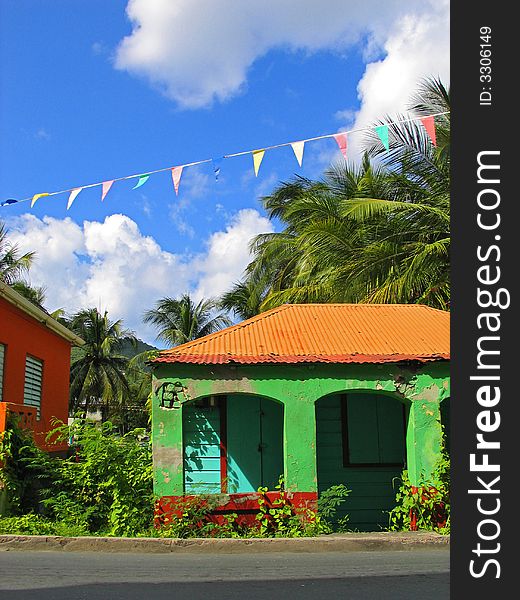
x=348 y=542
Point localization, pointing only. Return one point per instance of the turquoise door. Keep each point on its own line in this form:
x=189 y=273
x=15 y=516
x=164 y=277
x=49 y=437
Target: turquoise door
x=254 y=443
x=201 y=433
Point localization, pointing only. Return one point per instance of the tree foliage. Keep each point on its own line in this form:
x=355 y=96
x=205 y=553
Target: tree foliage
x=13 y=265
x=182 y=320
x=98 y=371
x=375 y=232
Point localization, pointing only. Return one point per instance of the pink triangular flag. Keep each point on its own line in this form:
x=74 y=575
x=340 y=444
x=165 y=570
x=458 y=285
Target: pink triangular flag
x=429 y=125
x=176 y=176
x=72 y=196
x=298 y=151
x=106 y=186
x=341 y=139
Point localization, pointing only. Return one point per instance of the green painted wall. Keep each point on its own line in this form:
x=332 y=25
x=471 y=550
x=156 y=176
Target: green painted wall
x=298 y=387
x=446 y=422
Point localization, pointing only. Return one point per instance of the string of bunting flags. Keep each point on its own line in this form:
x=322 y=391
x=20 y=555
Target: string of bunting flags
x=341 y=138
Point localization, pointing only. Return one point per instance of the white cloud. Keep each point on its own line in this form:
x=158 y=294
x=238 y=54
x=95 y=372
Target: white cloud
x=111 y=265
x=199 y=52
x=60 y=248
x=42 y=134
x=227 y=252
x=416 y=48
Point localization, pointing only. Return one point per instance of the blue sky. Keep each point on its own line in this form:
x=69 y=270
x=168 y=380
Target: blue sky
x=93 y=90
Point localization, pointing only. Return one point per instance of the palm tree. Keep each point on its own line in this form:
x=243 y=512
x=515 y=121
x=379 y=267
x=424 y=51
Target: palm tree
x=181 y=320
x=12 y=264
x=244 y=299
x=98 y=371
x=376 y=232
x=34 y=294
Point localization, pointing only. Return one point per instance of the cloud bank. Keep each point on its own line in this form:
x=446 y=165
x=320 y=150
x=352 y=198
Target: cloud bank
x=416 y=48
x=200 y=52
x=111 y=265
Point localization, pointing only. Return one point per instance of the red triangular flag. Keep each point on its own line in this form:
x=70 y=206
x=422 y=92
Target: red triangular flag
x=429 y=125
x=341 y=139
x=176 y=176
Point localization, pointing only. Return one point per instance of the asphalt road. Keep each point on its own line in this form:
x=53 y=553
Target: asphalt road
x=388 y=575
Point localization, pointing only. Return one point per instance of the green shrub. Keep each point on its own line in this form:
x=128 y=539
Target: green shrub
x=105 y=487
x=31 y=524
x=328 y=503
x=280 y=518
x=427 y=506
x=26 y=469
x=191 y=518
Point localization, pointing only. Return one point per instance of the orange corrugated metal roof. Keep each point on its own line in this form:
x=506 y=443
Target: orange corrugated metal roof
x=325 y=333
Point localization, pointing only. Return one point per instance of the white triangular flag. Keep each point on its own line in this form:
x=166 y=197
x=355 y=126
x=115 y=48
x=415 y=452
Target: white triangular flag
x=298 y=151
x=72 y=196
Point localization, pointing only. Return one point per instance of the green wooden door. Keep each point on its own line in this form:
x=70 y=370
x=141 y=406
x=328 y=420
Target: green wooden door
x=271 y=440
x=254 y=443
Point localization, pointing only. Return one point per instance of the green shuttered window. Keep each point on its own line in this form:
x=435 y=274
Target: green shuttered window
x=373 y=430
x=2 y=360
x=32 y=391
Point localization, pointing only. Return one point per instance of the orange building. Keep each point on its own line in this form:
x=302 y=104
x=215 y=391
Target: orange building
x=34 y=365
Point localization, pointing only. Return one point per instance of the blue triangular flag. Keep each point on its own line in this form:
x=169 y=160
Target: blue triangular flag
x=9 y=201
x=382 y=132
x=217 y=162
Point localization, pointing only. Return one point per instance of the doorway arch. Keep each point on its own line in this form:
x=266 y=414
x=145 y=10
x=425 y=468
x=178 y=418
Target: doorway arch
x=361 y=443
x=233 y=443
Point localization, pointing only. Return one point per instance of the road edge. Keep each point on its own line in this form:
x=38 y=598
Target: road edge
x=349 y=542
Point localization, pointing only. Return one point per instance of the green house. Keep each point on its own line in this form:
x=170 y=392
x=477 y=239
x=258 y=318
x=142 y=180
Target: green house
x=320 y=394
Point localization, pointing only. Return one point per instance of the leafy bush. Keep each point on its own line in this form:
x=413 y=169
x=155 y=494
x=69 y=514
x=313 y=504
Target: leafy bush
x=280 y=518
x=328 y=503
x=32 y=524
x=191 y=517
x=424 y=507
x=104 y=487
x=25 y=469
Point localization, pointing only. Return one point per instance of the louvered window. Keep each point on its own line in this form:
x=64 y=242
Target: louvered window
x=2 y=359
x=32 y=391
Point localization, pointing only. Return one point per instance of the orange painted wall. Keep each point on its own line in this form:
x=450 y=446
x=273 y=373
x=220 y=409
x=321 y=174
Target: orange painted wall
x=22 y=335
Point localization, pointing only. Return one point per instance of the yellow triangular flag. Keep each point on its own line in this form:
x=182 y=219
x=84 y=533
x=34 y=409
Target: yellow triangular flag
x=36 y=196
x=298 y=151
x=258 y=155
